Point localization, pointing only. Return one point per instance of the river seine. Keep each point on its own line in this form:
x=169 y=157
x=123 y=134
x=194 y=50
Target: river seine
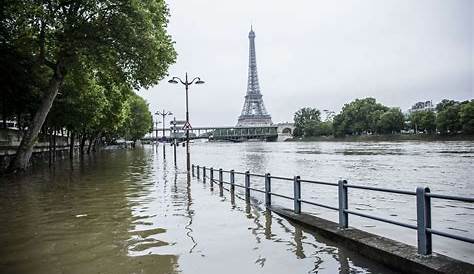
x=130 y=211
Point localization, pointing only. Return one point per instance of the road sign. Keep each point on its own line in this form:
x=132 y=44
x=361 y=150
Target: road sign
x=187 y=125
x=177 y=122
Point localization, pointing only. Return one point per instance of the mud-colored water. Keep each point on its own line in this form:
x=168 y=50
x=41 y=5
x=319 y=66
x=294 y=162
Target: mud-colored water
x=128 y=211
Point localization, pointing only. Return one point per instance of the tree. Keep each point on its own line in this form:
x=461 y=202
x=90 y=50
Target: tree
x=139 y=121
x=467 y=117
x=391 y=121
x=306 y=120
x=358 y=116
x=124 y=40
x=428 y=122
x=19 y=79
x=448 y=120
x=424 y=121
x=445 y=103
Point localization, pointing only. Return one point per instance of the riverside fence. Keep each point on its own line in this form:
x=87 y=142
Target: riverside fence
x=422 y=195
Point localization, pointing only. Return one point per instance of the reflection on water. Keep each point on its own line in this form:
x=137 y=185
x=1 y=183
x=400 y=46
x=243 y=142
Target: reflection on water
x=130 y=212
x=80 y=218
x=446 y=167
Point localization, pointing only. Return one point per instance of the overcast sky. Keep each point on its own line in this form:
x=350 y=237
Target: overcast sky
x=319 y=54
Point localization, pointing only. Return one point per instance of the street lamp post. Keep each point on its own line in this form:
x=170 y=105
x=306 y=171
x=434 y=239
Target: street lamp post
x=175 y=143
x=156 y=133
x=186 y=83
x=163 y=114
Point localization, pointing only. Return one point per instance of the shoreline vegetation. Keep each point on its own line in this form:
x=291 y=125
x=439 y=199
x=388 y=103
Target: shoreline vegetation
x=366 y=120
x=385 y=138
x=71 y=68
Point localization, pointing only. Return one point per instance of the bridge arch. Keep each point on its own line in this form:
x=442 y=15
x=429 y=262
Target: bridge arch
x=286 y=130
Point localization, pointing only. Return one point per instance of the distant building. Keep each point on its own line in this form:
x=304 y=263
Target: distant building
x=253 y=113
x=422 y=106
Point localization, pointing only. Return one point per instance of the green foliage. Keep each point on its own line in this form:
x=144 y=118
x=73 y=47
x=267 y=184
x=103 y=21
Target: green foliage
x=139 y=121
x=359 y=116
x=467 y=117
x=423 y=121
x=445 y=103
x=94 y=52
x=307 y=121
x=126 y=40
x=390 y=121
x=448 y=119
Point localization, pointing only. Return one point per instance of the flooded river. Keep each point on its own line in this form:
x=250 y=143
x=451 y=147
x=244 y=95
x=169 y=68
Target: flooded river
x=129 y=211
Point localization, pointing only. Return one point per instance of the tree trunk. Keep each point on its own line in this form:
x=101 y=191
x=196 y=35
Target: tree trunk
x=48 y=133
x=23 y=154
x=89 y=146
x=96 y=140
x=54 y=144
x=71 y=145
x=18 y=120
x=81 y=144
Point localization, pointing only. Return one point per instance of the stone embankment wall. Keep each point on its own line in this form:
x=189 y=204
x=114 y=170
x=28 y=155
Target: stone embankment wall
x=10 y=140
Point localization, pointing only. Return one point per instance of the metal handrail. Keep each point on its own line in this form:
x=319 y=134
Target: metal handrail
x=388 y=190
x=423 y=203
x=452 y=236
x=318 y=204
x=318 y=182
x=257 y=175
x=281 y=178
x=281 y=196
x=450 y=197
x=381 y=219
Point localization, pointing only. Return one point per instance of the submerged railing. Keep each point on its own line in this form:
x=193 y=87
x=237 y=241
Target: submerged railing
x=422 y=194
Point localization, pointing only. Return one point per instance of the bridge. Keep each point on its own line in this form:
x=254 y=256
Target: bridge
x=234 y=134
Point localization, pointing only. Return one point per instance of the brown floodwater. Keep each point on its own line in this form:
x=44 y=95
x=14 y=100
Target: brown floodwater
x=128 y=211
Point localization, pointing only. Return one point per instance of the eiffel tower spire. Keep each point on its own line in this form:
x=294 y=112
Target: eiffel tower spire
x=253 y=111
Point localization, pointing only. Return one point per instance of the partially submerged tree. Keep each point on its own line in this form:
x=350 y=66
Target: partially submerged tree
x=139 y=121
x=124 y=40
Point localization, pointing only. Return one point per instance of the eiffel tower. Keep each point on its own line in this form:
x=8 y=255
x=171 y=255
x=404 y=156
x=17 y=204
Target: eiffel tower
x=253 y=112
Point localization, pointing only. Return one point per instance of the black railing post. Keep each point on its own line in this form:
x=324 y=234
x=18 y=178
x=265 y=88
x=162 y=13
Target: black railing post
x=204 y=174
x=268 y=190
x=211 y=177
x=297 y=194
x=423 y=217
x=247 y=186
x=192 y=169
x=221 y=178
x=198 y=172
x=343 y=204
x=232 y=181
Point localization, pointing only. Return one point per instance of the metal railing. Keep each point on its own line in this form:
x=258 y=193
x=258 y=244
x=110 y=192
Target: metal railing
x=422 y=194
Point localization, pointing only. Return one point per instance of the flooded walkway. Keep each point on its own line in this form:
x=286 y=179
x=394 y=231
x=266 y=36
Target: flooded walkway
x=130 y=212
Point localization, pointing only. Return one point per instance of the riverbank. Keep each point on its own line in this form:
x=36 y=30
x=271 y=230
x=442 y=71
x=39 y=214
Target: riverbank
x=385 y=138
x=394 y=254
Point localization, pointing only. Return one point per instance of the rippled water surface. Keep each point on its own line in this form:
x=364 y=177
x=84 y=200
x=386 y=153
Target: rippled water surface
x=128 y=211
